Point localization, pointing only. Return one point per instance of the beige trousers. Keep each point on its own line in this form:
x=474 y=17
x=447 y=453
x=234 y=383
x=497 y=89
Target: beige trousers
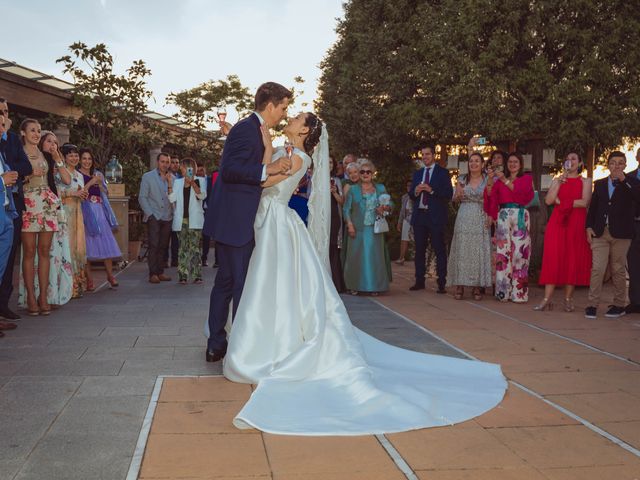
x=606 y=249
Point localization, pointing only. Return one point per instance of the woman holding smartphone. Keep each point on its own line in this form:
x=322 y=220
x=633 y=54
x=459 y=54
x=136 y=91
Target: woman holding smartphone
x=99 y=220
x=187 y=194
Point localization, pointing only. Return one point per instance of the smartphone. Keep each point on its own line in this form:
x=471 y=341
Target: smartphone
x=481 y=141
x=190 y=172
x=499 y=168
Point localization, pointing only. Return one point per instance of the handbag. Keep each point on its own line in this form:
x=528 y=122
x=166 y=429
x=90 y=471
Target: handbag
x=535 y=201
x=381 y=225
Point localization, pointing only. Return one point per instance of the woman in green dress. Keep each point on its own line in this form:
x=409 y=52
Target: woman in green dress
x=367 y=264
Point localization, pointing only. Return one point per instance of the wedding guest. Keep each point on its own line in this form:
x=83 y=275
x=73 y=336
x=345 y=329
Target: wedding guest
x=431 y=192
x=335 y=235
x=8 y=179
x=154 y=201
x=610 y=228
x=633 y=256
x=72 y=196
x=174 y=242
x=348 y=159
x=404 y=224
x=40 y=219
x=300 y=199
x=60 y=286
x=367 y=266
x=16 y=160
x=99 y=221
x=566 y=259
x=186 y=194
x=352 y=178
x=470 y=255
x=339 y=172
x=505 y=198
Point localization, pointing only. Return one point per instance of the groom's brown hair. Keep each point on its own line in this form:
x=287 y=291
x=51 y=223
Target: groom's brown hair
x=271 y=92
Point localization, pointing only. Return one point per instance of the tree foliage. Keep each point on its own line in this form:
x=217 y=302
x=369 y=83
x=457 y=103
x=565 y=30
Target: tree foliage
x=112 y=104
x=197 y=108
x=567 y=71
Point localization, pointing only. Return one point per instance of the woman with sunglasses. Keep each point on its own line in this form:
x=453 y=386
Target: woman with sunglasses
x=367 y=265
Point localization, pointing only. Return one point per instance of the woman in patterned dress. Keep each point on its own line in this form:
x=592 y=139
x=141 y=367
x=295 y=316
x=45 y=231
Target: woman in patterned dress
x=470 y=255
x=40 y=218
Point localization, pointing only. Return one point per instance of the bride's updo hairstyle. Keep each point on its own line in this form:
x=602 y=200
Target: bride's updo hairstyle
x=315 y=130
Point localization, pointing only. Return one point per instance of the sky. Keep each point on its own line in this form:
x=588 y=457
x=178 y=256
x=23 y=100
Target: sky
x=183 y=42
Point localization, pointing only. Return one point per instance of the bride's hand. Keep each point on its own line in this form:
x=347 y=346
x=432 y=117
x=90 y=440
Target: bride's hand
x=266 y=137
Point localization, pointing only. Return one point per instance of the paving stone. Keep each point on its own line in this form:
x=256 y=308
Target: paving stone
x=116 y=386
x=74 y=456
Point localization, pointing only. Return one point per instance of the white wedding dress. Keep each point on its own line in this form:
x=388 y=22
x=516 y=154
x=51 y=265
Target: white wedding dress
x=317 y=374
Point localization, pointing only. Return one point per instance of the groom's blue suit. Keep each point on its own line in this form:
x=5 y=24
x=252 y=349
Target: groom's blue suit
x=229 y=221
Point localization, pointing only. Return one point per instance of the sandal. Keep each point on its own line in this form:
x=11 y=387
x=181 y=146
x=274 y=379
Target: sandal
x=197 y=281
x=477 y=296
x=113 y=283
x=45 y=310
x=459 y=293
x=90 y=287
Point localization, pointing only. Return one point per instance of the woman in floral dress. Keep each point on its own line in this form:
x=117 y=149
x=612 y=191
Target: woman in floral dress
x=60 y=274
x=40 y=218
x=506 y=196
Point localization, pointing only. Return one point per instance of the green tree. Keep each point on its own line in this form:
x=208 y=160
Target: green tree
x=112 y=105
x=197 y=109
x=567 y=71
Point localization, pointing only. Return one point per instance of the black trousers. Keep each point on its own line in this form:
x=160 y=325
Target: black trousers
x=159 y=232
x=6 y=287
x=633 y=263
x=423 y=235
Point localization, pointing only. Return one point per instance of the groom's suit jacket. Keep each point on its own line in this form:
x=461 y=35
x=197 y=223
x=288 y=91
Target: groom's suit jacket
x=236 y=194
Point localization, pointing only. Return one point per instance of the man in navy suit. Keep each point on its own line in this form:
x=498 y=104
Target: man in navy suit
x=233 y=205
x=16 y=159
x=431 y=192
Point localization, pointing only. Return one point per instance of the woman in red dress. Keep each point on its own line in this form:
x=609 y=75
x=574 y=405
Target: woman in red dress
x=567 y=256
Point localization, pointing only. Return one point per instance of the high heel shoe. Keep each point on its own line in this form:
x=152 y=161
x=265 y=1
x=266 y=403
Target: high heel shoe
x=44 y=310
x=459 y=293
x=112 y=281
x=90 y=287
x=545 y=304
x=477 y=296
x=568 y=305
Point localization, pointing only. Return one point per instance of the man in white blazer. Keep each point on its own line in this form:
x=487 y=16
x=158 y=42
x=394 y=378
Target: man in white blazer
x=186 y=194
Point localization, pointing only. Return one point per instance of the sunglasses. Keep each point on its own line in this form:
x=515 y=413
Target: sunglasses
x=364 y=172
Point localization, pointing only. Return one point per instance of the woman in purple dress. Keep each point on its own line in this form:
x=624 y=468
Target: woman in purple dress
x=99 y=220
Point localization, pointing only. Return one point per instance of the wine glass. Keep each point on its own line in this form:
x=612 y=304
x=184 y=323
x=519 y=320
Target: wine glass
x=221 y=112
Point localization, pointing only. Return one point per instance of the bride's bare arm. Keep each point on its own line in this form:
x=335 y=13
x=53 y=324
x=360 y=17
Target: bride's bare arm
x=296 y=164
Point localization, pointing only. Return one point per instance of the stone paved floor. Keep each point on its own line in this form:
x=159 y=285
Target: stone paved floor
x=74 y=389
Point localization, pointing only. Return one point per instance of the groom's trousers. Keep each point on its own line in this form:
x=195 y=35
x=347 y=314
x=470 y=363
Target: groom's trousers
x=232 y=272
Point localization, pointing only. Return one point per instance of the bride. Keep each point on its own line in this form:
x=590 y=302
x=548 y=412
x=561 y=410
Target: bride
x=316 y=373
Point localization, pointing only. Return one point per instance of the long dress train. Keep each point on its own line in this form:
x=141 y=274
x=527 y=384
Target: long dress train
x=316 y=373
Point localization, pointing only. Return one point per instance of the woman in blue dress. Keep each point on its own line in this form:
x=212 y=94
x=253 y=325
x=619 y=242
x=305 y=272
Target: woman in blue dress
x=367 y=265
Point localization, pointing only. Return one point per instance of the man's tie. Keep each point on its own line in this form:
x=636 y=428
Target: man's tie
x=425 y=197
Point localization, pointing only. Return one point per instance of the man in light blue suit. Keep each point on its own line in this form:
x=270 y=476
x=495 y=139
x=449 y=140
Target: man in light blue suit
x=153 y=198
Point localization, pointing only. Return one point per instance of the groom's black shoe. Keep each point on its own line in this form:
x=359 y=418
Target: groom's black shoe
x=215 y=355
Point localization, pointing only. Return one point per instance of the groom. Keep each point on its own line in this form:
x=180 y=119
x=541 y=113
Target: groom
x=234 y=203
